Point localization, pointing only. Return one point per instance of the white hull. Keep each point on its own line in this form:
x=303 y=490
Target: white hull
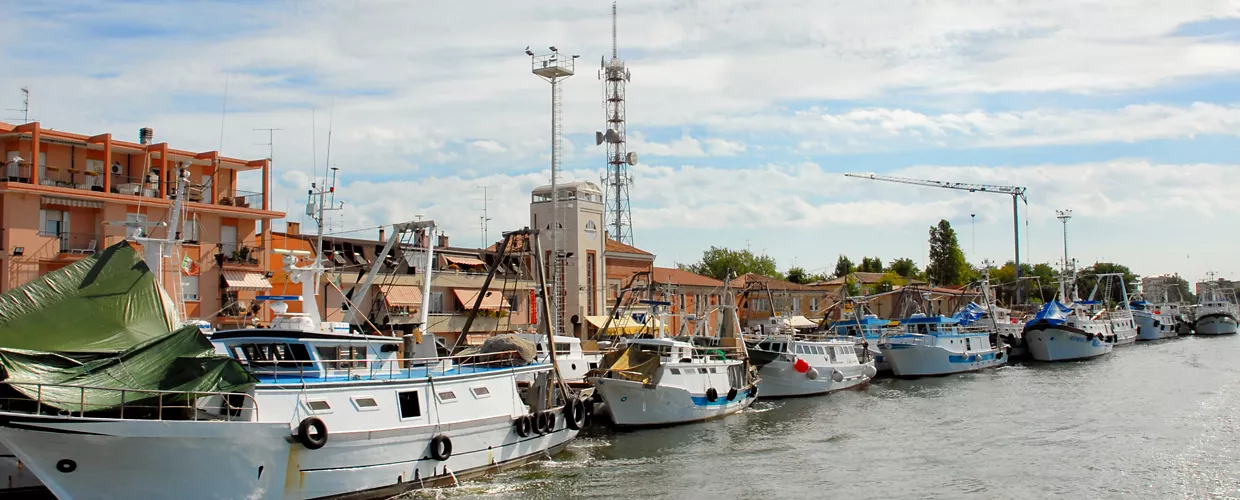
x=227 y=460
x=1125 y=336
x=15 y=475
x=779 y=379
x=1216 y=324
x=631 y=404
x=1058 y=344
x=1154 y=327
x=921 y=360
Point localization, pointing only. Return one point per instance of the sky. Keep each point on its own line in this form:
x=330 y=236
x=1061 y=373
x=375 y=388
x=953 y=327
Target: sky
x=745 y=115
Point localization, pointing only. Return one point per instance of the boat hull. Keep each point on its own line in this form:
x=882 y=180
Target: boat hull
x=1216 y=324
x=1152 y=327
x=920 y=360
x=1063 y=343
x=1125 y=335
x=780 y=380
x=633 y=404
x=209 y=460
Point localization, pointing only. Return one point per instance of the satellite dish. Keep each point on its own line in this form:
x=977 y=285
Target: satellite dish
x=631 y=158
x=598 y=138
x=611 y=136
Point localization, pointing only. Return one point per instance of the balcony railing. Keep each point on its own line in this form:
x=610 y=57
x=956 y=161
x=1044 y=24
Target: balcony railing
x=455 y=322
x=75 y=243
x=146 y=186
x=243 y=255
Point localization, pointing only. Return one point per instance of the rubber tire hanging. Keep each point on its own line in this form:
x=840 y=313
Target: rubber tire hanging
x=523 y=424
x=441 y=448
x=575 y=414
x=316 y=441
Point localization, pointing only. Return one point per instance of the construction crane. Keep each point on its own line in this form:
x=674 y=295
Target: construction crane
x=1016 y=192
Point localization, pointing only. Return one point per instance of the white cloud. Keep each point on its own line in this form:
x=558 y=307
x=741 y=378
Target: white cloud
x=724 y=147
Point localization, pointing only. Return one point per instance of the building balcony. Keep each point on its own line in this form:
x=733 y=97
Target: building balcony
x=72 y=245
x=64 y=181
x=231 y=255
x=453 y=323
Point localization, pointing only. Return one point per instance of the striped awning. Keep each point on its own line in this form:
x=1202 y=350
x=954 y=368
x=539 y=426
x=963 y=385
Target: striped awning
x=493 y=301
x=402 y=295
x=464 y=261
x=246 y=281
x=70 y=202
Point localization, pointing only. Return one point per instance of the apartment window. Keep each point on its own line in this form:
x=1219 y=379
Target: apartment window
x=796 y=304
x=189 y=288
x=682 y=301
x=591 y=288
x=190 y=231
x=436 y=306
x=514 y=303
x=53 y=222
x=813 y=303
x=228 y=239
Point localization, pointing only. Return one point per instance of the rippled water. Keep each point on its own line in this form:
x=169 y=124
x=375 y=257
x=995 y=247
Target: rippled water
x=1153 y=420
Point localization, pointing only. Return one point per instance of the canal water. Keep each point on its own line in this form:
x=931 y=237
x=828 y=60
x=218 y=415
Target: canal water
x=1152 y=420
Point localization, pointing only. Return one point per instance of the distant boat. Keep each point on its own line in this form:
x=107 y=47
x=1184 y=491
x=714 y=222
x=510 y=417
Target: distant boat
x=1155 y=321
x=804 y=367
x=1216 y=312
x=936 y=345
x=866 y=329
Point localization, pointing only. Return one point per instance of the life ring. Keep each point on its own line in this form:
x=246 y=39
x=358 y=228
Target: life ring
x=731 y=394
x=441 y=447
x=318 y=438
x=812 y=373
x=712 y=395
x=523 y=425
x=542 y=425
x=575 y=414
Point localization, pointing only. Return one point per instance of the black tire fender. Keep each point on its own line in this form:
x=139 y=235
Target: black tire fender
x=441 y=448
x=312 y=441
x=712 y=395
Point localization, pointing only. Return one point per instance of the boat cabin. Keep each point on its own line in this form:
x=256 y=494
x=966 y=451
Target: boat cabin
x=274 y=355
x=921 y=324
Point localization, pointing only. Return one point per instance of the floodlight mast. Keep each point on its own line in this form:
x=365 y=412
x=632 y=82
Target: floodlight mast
x=554 y=68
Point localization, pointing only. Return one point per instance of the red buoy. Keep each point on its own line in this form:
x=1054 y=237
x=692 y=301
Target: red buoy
x=800 y=366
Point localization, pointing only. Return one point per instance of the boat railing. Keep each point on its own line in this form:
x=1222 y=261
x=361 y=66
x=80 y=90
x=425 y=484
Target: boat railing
x=302 y=371
x=125 y=404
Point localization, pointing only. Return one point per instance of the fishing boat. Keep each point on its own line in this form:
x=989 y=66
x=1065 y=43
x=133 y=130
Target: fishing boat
x=662 y=381
x=791 y=366
x=865 y=329
x=1061 y=332
x=936 y=345
x=1119 y=320
x=574 y=361
x=1216 y=311
x=304 y=413
x=1154 y=320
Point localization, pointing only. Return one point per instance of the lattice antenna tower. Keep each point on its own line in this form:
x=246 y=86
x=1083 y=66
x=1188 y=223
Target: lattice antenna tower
x=617 y=180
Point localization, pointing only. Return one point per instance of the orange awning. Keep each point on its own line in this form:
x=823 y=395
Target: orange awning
x=246 y=281
x=492 y=301
x=464 y=261
x=399 y=295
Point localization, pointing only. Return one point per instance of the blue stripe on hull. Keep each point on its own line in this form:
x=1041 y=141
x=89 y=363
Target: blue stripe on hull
x=722 y=400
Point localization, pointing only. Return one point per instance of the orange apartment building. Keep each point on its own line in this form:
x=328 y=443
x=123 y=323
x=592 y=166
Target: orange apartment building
x=64 y=196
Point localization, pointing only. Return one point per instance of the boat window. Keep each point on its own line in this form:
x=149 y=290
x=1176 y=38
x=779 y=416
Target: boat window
x=365 y=403
x=274 y=354
x=675 y=371
x=800 y=349
x=480 y=391
x=318 y=406
x=409 y=407
x=446 y=396
x=712 y=370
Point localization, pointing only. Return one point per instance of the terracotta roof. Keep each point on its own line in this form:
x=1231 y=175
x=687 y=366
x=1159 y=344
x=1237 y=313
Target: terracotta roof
x=865 y=279
x=769 y=283
x=673 y=276
x=616 y=246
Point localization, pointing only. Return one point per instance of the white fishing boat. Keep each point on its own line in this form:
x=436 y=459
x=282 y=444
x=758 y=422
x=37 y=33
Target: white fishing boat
x=1061 y=332
x=791 y=366
x=574 y=361
x=663 y=381
x=331 y=415
x=865 y=329
x=1155 y=320
x=936 y=345
x=1216 y=312
x=1119 y=320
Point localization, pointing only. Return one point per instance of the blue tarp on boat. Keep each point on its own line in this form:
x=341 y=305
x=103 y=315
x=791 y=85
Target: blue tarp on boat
x=970 y=313
x=1054 y=312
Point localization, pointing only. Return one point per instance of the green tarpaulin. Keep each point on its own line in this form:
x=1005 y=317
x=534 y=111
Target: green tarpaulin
x=182 y=361
x=76 y=337
x=104 y=303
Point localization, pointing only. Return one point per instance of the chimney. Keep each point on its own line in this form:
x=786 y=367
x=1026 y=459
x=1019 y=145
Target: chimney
x=146 y=135
x=443 y=240
x=381 y=234
x=293 y=228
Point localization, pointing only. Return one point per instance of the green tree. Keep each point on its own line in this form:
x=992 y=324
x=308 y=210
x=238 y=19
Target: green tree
x=1089 y=278
x=905 y=268
x=890 y=281
x=720 y=262
x=843 y=267
x=871 y=265
x=798 y=275
x=947 y=263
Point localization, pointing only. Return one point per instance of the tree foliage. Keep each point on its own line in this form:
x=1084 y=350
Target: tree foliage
x=871 y=265
x=1089 y=278
x=843 y=266
x=905 y=268
x=947 y=263
x=720 y=262
x=798 y=275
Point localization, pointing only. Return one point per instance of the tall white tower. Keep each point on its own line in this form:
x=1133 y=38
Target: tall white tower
x=554 y=67
x=617 y=179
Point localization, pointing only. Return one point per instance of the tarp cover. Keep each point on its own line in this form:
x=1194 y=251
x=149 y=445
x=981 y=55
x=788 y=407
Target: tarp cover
x=630 y=364
x=182 y=361
x=1054 y=313
x=523 y=351
x=103 y=303
x=970 y=313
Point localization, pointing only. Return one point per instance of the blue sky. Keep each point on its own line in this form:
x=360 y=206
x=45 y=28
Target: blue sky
x=745 y=114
